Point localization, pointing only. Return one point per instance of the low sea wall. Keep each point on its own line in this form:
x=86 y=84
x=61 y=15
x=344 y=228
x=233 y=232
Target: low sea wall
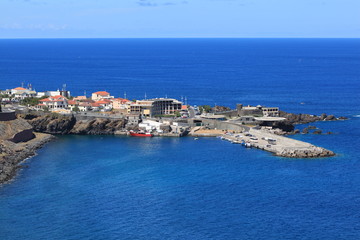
x=214 y=124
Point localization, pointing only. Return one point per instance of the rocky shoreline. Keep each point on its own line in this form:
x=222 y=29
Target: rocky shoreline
x=12 y=154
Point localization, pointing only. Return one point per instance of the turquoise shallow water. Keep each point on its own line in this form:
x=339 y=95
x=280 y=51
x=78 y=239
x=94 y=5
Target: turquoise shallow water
x=107 y=187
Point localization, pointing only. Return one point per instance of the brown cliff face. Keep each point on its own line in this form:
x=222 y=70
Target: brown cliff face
x=53 y=124
x=97 y=126
x=17 y=142
x=11 y=154
x=58 y=124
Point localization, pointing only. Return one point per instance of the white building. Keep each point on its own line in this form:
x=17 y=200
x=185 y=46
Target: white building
x=19 y=93
x=53 y=93
x=150 y=125
x=53 y=103
x=96 y=96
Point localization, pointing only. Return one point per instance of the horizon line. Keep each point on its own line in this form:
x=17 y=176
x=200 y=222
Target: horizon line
x=24 y=38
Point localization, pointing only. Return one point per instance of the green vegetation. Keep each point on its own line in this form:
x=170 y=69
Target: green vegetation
x=76 y=109
x=5 y=96
x=33 y=101
x=205 y=108
x=177 y=114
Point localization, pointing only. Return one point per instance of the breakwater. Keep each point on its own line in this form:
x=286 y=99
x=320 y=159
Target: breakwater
x=279 y=145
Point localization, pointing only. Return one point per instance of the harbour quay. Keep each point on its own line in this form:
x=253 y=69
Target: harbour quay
x=276 y=144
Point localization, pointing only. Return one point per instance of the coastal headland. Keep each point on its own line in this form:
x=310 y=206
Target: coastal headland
x=17 y=142
x=28 y=121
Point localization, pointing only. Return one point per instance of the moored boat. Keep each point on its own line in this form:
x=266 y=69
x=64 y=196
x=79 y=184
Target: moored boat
x=141 y=134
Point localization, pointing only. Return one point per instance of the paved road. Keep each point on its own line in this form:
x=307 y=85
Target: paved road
x=246 y=128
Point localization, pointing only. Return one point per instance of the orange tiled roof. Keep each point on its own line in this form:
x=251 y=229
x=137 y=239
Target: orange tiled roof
x=102 y=93
x=102 y=102
x=72 y=102
x=58 y=97
x=122 y=100
x=95 y=104
x=19 y=88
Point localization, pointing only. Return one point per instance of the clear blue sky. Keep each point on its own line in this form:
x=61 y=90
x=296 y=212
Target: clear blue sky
x=179 y=18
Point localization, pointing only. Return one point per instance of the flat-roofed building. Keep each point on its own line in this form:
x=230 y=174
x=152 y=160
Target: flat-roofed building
x=165 y=106
x=141 y=107
x=155 y=107
x=270 y=111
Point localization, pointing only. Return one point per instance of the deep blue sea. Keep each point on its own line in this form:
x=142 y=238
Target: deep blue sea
x=108 y=187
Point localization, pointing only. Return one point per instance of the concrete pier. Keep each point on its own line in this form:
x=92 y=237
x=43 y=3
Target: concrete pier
x=279 y=145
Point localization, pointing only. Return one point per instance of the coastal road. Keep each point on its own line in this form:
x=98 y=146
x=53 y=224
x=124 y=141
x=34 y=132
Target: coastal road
x=246 y=128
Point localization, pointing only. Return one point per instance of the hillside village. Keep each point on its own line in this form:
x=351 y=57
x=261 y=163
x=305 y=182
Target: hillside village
x=61 y=101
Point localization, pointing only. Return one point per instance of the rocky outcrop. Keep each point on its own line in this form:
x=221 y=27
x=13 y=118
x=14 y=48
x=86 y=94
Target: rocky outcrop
x=53 y=123
x=313 y=152
x=98 y=126
x=12 y=130
x=11 y=154
x=293 y=118
x=59 y=124
x=220 y=109
x=284 y=126
x=17 y=142
x=305 y=131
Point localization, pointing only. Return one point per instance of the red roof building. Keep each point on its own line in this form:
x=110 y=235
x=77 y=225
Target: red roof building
x=54 y=103
x=96 y=96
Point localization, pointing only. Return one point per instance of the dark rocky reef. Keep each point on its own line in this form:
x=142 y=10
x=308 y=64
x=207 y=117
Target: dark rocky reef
x=284 y=126
x=293 y=118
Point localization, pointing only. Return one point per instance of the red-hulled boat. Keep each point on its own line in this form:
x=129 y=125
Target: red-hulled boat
x=140 y=134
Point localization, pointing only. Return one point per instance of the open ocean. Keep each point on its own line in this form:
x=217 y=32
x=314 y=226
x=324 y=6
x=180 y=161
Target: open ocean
x=108 y=187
